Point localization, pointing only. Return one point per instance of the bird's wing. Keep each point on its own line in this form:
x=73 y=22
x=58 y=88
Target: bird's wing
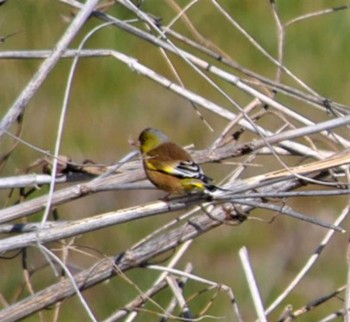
x=180 y=169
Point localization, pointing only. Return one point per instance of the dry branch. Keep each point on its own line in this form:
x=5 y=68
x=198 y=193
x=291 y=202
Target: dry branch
x=271 y=125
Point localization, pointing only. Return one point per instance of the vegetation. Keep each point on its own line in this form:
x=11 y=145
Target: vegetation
x=257 y=91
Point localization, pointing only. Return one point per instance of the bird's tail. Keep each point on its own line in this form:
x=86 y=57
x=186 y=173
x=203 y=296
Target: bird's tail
x=212 y=187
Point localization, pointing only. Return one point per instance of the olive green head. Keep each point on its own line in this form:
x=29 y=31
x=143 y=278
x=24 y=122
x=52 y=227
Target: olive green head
x=150 y=138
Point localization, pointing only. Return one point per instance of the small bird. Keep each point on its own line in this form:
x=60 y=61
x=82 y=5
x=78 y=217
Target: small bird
x=169 y=167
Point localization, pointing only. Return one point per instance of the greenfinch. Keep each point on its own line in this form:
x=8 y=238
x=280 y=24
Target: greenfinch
x=169 y=167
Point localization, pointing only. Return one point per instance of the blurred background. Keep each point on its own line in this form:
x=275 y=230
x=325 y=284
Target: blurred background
x=110 y=104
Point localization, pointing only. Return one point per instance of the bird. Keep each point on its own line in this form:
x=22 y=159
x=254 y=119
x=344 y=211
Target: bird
x=169 y=167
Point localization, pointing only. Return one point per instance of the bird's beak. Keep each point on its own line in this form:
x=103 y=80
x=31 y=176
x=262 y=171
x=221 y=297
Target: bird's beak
x=134 y=143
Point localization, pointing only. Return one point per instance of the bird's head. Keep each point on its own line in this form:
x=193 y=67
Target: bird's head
x=150 y=138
